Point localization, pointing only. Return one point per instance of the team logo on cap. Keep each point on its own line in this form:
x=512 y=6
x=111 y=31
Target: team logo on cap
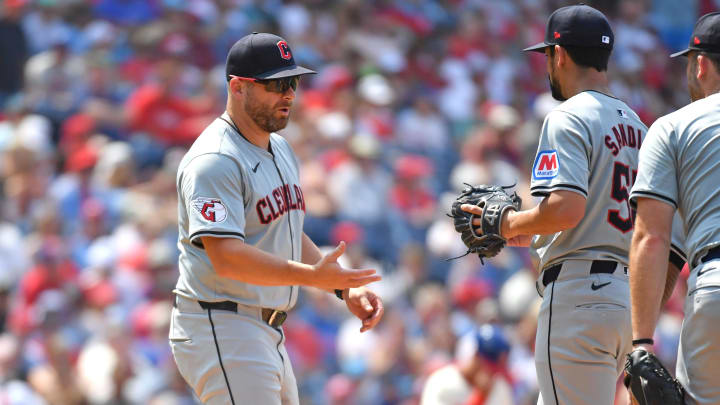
x=546 y=165
x=212 y=209
x=696 y=41
x=556 y=35
x=605 y=39
x=284 y=50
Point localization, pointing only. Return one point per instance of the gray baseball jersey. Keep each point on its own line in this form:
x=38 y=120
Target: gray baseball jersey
x=231 y=188
x=589 y=145
x=679 y=165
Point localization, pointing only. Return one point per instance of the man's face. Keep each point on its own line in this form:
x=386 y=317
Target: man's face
x=555 y=89
x=269 y=110
x=693 y=83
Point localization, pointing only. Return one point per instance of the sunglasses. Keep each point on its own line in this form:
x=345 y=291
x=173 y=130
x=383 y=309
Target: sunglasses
x=275 y=85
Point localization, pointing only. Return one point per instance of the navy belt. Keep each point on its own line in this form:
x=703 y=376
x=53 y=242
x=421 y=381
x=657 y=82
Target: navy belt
x=598 y=266
x=270 y=316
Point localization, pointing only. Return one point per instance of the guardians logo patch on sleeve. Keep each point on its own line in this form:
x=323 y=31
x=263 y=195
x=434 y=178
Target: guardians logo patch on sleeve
x=211 y=209
x=547 y=165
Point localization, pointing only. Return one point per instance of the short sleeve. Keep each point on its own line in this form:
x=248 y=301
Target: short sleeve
x=678 y=249
x=212 y=190
x=562 y=161
x=656 y=176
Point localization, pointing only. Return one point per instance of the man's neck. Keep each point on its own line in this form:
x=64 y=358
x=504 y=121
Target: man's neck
x=248 y=128
x=588 y=79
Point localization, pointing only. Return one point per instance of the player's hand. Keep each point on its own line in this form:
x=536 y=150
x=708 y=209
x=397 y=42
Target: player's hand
x=513 y=240
x=329 y=275
x=365 y=305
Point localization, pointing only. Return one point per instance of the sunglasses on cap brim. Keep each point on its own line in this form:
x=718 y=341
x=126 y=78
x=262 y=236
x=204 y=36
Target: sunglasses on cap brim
x=280 y=85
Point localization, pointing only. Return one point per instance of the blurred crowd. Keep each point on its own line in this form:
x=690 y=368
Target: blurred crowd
x=99 y=99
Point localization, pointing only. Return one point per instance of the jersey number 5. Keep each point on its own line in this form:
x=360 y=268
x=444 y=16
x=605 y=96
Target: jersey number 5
x=622 y=181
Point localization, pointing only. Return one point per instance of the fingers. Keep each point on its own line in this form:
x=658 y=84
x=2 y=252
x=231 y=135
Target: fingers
x=361 y=281
x=372 y=320
x=365 y=304
x=473 y=209
x=337 y=252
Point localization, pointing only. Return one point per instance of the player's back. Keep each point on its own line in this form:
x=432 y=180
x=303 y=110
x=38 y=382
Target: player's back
x=589 y=145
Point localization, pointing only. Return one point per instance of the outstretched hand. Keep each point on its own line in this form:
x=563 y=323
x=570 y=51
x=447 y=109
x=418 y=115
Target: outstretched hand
x=365 y=305
x=329 y=275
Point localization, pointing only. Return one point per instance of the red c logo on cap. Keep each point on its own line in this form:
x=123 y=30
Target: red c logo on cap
x=284 y=50
x=696 y=41
x=557 y=35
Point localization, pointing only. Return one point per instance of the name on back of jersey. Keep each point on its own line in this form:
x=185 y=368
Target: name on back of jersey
x=547 y=165
x=623 y=136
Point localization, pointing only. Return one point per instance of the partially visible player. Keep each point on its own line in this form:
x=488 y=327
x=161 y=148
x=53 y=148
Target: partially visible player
x=479 y=374
x=580 y=233
x=243 y=252
x=680 y=170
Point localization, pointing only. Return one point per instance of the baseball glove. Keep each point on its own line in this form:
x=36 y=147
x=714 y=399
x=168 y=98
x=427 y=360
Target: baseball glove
x=494 y=201
x=649 y=382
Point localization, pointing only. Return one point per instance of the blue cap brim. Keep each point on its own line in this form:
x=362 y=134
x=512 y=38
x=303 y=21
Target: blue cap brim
x=681 y=53
x=537 y=47
x=285 y=71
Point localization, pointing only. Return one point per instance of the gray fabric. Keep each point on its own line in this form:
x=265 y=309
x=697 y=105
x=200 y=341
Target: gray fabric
x=679 y=165
x=254 y=196
x=590 y=136
x=580 y=351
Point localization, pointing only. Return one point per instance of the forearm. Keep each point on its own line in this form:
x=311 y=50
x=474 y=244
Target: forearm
x=239 y=261
x=673 y=273
x=648 y=274
x=556 y=213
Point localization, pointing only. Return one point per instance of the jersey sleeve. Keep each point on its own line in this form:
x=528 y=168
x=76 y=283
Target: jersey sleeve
x=656 y=176
x=212 y=189
x=562 y=161
x=678 y=249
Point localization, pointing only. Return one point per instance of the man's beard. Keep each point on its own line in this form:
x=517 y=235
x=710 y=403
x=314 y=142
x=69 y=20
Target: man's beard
x=694 y=89
x=555 y=90
x=264 y=116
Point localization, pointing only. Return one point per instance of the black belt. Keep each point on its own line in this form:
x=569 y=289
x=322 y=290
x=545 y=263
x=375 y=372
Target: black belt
x=712 y=254
x=598 y=266
x=270 y=316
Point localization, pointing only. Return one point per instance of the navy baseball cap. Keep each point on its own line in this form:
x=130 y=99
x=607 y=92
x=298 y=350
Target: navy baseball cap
x=262 y=56
x=491 y=342
x=579 y=25
x=705 y=36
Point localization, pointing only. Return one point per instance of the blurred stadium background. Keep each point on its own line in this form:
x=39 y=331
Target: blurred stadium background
x=99 y=99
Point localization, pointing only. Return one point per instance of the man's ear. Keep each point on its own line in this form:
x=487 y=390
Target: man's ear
x=704 y=67
x=236 y=86
x=562 y=55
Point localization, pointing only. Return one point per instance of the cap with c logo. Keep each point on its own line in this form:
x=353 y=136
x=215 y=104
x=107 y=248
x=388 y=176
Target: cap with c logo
x=262 y=56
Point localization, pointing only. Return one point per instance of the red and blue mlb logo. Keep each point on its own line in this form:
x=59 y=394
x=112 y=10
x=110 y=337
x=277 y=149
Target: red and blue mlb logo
x=547 y=165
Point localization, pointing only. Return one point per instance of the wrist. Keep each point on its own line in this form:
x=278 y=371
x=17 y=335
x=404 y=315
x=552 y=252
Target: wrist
x=644 y=344
x=301 y=273
x=505 y=228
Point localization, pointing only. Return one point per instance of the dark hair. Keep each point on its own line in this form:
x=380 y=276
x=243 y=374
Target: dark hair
x=587 y=57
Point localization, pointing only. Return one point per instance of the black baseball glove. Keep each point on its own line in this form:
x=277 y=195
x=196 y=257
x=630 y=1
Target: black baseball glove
x=649 y=382
x=486 y=240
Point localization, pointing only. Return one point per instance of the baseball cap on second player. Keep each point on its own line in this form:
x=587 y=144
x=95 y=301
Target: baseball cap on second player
x=262 y=56
x=705 y=36
x=578 y=25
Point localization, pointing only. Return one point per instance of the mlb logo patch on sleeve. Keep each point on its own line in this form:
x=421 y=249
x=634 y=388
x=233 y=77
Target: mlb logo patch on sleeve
x=546 y=165
x=212 y=209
